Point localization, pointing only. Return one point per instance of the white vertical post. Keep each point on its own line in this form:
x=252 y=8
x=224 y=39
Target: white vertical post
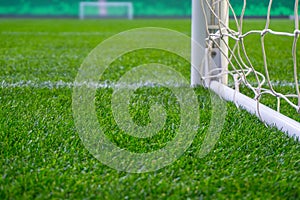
x=201 y=59
x=130 y=11
x=224 y=62
x=102 y=8
x=198 y=42
x=81 y=16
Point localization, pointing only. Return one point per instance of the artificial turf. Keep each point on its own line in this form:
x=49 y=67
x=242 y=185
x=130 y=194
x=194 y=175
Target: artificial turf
x=43 y=157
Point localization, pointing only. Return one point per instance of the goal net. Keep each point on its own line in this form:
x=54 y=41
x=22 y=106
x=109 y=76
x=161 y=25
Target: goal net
x=104 y=9
x=252 y=63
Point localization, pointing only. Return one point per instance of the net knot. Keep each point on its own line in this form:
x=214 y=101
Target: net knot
x=240 y=37
x=264 y=32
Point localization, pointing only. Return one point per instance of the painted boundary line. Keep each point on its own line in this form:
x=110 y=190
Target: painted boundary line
x=70 y=85
x=71 y=33
x=40 y=33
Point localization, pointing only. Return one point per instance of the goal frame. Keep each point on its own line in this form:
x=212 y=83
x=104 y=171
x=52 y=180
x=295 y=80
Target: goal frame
x=100 y=4
x=200 y=58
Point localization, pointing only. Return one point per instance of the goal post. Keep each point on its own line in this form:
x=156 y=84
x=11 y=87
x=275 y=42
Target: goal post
x=103 y=9
x=203 y=24
x=214 y=60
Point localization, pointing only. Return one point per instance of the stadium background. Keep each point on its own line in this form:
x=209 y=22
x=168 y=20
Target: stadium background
x=142 y=8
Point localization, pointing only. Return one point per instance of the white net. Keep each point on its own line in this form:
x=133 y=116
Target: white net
x=253 y=65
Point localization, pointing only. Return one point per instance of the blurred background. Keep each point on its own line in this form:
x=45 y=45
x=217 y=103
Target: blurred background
x=142 y=8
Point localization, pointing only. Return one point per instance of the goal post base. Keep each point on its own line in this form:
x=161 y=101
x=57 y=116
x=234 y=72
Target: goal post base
x=264 y=113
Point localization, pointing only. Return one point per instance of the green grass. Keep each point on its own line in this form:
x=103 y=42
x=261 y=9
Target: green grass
x=42 y=156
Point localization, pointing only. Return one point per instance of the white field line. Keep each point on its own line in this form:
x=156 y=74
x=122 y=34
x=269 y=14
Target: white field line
x=71 y=33
x=70 y=85
x=274 y=83
x=33 y=33
x=36 y=57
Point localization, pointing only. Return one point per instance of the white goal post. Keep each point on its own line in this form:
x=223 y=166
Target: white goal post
x=103 y=9
x=212 y=55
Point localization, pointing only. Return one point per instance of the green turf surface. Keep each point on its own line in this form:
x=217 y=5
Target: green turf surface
x=42 y=156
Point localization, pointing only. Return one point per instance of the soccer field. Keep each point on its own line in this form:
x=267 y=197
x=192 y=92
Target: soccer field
x=42 y=155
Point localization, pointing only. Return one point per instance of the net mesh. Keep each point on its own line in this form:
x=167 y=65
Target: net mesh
x=243 y=69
